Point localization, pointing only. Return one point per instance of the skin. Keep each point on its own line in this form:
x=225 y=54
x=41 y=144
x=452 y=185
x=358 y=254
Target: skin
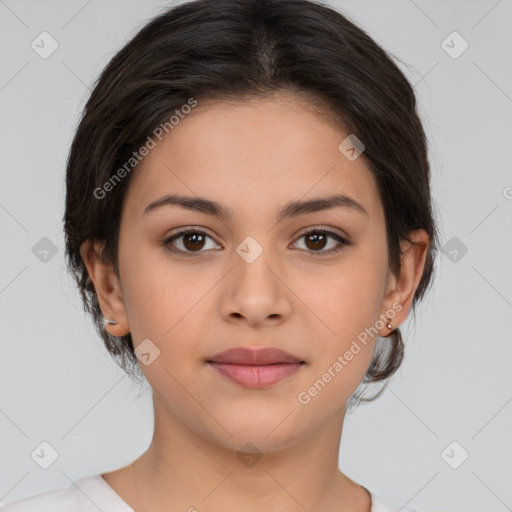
x=254 y=157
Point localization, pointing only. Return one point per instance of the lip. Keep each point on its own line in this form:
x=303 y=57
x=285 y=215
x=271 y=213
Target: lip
x=256 y=368
x=259 y=356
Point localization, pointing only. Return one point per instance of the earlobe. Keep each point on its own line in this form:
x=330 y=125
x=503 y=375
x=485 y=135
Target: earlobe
x=401 y=289
x=107 y=286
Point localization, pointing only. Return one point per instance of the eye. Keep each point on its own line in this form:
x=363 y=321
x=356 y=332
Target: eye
x=317 y=238
x=193 y=241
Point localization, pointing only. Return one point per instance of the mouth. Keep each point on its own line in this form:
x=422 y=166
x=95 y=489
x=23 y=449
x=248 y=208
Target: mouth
x=256 y=368
x=260 y=356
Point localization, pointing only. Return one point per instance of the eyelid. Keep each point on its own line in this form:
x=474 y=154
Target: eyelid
x=327 y=229
x=187 y=229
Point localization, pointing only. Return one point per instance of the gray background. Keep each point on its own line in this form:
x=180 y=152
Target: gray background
x=57 y=382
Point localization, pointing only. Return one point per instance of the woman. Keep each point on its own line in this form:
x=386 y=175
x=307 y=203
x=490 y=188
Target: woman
x=249 y=220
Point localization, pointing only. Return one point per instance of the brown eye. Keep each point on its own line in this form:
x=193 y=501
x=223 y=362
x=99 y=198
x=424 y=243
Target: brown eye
x=317 y=239
x=193 y=240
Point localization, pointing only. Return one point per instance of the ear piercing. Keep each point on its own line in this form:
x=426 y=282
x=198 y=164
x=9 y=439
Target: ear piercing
x=390 y=327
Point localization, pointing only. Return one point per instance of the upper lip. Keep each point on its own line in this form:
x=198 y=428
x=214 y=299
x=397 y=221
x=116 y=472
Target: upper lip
x=260 y=356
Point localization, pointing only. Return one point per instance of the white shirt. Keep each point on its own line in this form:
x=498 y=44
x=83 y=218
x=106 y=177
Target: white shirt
x=92 y=493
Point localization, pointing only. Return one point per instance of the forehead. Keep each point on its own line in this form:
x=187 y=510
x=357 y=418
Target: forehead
x=258 y=152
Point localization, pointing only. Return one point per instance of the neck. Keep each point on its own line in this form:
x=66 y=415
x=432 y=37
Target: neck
x=182 y=470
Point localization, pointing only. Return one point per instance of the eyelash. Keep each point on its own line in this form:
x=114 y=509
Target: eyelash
x=343 y=242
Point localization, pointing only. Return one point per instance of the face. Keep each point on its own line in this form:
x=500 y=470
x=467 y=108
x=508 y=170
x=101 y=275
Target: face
x=255 y=277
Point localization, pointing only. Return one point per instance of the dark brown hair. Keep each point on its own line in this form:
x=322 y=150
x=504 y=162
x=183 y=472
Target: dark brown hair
x=236 y=50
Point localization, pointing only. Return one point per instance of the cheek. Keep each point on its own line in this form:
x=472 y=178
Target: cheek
x=160 y=304
x=164 y=303
x=350 y=296
x=349 y=305
x=153 y=293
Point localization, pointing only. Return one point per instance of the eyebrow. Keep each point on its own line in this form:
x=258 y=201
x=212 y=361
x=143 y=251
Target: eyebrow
x=291 y=209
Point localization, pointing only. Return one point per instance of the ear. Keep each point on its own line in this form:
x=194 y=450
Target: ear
x=107 y=286
x=401 y=289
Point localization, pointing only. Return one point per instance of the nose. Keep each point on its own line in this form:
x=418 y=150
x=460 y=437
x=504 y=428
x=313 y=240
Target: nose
x=255 y=290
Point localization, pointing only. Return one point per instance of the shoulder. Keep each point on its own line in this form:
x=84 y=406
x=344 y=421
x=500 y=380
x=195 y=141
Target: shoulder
x=380 y=504
x=58 y=500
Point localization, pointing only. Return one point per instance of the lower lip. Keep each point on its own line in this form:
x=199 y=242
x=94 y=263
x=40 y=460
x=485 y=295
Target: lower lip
x=257 y=376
